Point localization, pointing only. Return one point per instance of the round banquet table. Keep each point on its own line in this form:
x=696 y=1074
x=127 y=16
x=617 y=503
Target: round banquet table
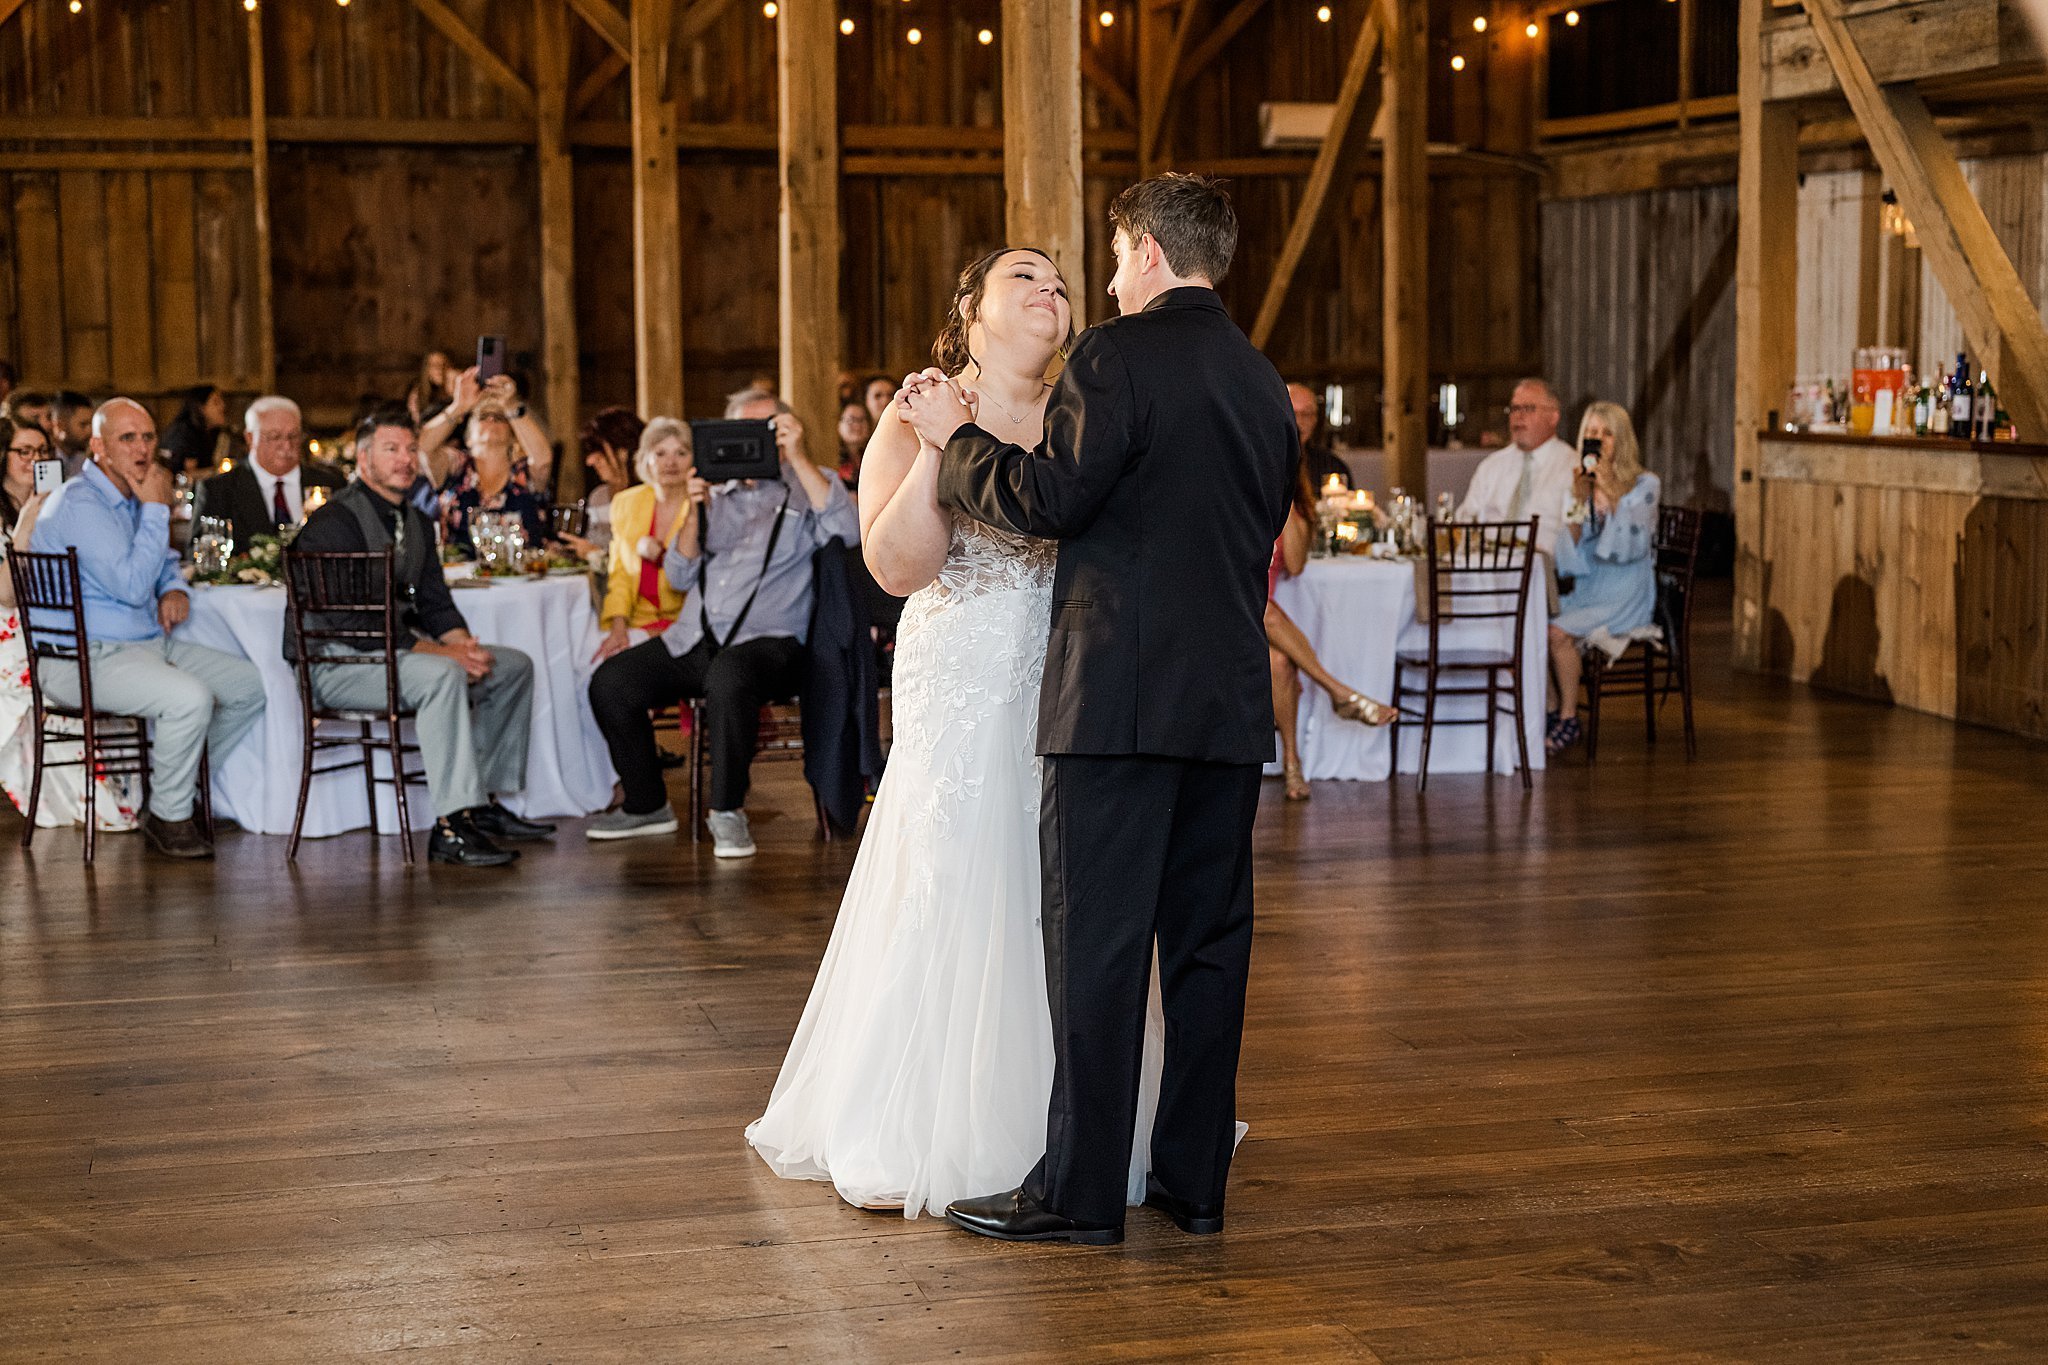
x=568 y=771
x=1357 y=612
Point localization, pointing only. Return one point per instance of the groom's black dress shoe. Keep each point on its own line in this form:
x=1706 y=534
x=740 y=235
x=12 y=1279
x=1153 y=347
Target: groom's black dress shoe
x=500 y=825
x=1014 y=1216
x=459 y=843
x=1199 y=1219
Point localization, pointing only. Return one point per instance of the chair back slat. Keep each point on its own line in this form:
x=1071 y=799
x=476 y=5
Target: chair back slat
x=341 y=608
x=1479 y=571
x=1676 y=551
x=50 y=604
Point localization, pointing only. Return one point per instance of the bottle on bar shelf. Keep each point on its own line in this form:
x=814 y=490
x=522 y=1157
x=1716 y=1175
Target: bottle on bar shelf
x=1937 y=410
x=1923 y=409
x=1961 y=399
x=1984 y=415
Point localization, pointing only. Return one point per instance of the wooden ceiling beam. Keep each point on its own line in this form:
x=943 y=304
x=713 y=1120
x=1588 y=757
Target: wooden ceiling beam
x=1156 y=87
x=597 y=82
x=1108 y=86
x=1217 y=39
x=609 y=23
x=464 y=37
x=7 y=9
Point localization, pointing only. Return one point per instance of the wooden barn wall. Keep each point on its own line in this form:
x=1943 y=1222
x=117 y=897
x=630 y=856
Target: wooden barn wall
x=380 y=251
x=1639 y=308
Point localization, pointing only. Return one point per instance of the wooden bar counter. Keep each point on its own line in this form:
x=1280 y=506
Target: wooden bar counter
x=1909 y=570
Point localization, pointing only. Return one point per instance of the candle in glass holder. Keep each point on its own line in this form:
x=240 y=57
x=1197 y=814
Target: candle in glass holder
x=226 y=464
x=1347 y=534
x=316 y=498
x=1333 y=487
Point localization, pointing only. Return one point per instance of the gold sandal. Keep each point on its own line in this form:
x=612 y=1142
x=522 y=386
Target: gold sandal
x=1297 y=785
x=1365 y=710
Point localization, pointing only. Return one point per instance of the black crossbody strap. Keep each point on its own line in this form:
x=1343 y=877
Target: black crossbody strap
x=704 y=564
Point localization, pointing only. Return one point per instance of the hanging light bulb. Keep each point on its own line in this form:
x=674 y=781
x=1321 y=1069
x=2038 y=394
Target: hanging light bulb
x=342 y=3
x=770 y=10
x=846 y=27
x=985 y=37
x=914 y=37
x=1479 y=24
x=1571 y=18
x=1323 y=15
x=1457 y=62
x=1106 y=18
x=1532 y=30
x=77 y=6
x=249 y=5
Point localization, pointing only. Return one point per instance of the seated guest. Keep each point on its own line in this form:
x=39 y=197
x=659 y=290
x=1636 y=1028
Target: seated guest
x=1610 y=529
x=117 y=515
x=1318 y=457
x=855 y=427
x=1290 y=654
x=1530 y=476
x=23 y=445
x=738 y=640
x=27 y=407
x=266 y=493
x=490 y=484
x=878 y=391
x=430 y=390
x=610 y=440
x=473 y=703
x=195 y=442
x=647 y=519
x=448 y=436
x=70 y=427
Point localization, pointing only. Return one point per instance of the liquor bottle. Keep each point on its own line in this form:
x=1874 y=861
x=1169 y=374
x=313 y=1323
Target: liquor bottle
x=1937 y=411
x=1923 y=404
x=1829 y=415
x=1961 y=399
x=1984 y=414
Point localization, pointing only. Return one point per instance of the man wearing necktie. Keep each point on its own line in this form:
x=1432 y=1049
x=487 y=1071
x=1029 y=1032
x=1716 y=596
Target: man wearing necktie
x=266 y=493
x=1532 y=476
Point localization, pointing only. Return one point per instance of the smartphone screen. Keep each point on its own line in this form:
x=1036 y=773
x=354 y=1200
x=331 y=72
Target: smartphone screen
x=490 y=357
x=49 y=475
x=1589 y=454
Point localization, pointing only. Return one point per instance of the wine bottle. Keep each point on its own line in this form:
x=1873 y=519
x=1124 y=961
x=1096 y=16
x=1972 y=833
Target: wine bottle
x=1960 y=399
x=1984 y=413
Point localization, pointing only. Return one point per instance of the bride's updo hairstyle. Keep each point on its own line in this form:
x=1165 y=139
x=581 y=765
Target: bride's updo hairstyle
x=950 y=350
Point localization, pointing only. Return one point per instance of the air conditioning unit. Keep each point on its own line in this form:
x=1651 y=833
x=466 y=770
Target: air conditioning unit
x=1293 y=126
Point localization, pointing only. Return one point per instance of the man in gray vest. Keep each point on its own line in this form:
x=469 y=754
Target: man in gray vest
x=472 y=704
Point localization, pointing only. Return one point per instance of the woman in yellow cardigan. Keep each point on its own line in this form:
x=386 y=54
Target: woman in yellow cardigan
x=639 y=602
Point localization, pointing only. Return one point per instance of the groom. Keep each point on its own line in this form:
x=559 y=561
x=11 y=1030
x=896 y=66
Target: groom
x=1169 y=450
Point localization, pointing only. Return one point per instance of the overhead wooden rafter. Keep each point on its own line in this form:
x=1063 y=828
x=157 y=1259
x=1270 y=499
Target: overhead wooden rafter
x=1998 y=317
x=597 y=82
x=1213 y=42
x=1108 y=86
x=464 y=37
x=7 y=9
x=1336 y=162
x=609 y=23
x=1159 y=57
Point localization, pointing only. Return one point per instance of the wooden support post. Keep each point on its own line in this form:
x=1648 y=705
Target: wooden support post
x=657 y=220
x=1404 y=215
x=807 y=62
x=1044 y=205
x=1998 y=317
x=1766 y=320
x=259 y=166
x=557 y=240
x=1336 y=162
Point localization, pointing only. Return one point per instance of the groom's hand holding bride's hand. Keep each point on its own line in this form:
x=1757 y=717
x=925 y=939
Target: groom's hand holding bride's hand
x=934 y=406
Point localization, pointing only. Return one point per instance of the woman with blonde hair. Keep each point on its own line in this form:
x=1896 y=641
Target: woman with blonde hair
x=1610 y=522
x=646 y=520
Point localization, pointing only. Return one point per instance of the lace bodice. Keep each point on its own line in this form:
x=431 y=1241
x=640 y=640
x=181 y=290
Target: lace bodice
x=983 y=559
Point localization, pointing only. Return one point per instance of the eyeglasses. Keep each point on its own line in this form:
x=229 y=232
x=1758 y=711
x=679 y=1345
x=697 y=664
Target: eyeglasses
x=277 y=438
x=41 y=450
x=1529 y=409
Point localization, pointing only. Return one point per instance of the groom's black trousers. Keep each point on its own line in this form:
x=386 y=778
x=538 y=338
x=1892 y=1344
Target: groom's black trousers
x=1135 y=847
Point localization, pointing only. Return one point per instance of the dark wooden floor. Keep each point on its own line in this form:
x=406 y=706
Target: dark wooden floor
x=1741 y=1060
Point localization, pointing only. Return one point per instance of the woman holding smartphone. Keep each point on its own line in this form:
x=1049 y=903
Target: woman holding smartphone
x=26 y=445
x=1610 y=524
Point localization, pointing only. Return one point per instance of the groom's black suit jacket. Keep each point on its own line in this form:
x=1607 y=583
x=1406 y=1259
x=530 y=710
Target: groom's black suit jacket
x=1169 y=452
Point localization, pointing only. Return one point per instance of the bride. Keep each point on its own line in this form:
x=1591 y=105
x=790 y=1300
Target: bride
x=920 y=1071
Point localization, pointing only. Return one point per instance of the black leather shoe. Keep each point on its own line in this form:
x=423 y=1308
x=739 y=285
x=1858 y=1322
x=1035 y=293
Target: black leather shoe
x=502 y=825
x=1015 y=1216
x=459 y=843
x=1199 y=1219
x=175 y=838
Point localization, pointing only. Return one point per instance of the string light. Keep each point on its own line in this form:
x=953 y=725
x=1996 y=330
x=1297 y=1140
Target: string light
x=1106 y=18
x=1532 y=30
x=984 y=37
x=1571 y=18
x=249 y=5
x=1479 y=24
x=770 y=10
x=1457 y=63
x=77 y=6
x=846 y=27
x=1323 y=15
x=914 y=37
x=342 y=3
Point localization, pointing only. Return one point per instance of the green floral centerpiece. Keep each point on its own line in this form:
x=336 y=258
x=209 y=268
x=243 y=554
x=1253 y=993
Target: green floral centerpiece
x=259 y=564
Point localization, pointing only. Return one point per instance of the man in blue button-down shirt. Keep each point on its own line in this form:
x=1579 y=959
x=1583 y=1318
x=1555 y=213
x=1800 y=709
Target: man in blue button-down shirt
x=738 y=640
x=117 y=515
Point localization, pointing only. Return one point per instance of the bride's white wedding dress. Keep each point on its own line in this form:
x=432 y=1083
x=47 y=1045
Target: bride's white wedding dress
x=921 y=1069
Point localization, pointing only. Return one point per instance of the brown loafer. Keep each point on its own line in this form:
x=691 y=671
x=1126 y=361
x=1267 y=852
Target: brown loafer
x=175 y=838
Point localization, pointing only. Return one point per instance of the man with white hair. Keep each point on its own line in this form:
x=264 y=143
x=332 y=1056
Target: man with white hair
x=117 y=515
x=1531 y=476
x=266 y=492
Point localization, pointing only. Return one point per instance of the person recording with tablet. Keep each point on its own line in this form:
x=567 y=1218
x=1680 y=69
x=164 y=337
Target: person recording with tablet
x=743 y=560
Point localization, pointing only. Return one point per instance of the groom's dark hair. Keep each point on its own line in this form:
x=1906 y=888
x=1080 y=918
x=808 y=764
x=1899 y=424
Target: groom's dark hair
x=1188 y=215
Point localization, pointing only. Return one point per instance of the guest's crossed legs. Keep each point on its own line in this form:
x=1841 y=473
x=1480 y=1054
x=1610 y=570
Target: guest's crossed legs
x=735 y=683
x=473 y=735
x=1138 y=846
x=197 y=697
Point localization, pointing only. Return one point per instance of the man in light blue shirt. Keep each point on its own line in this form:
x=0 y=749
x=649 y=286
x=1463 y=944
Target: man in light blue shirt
x=738 y=640
x=117 y=515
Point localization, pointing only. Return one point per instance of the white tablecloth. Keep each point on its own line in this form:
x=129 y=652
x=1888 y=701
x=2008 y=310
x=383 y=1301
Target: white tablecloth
x=568 y=771
x=1356 y=612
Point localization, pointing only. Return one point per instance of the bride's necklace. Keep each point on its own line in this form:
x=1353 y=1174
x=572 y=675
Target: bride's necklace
x=1014 y=418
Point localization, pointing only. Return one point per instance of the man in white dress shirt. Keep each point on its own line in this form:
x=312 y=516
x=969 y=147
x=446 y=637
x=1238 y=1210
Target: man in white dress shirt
x=1533 y=476
x=267 y=492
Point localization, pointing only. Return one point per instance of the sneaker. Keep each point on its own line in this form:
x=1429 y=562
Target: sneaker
x=729 y=835
x=621 y=825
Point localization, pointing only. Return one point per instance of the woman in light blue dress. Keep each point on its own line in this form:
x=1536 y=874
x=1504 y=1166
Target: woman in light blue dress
x=1610 y=530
